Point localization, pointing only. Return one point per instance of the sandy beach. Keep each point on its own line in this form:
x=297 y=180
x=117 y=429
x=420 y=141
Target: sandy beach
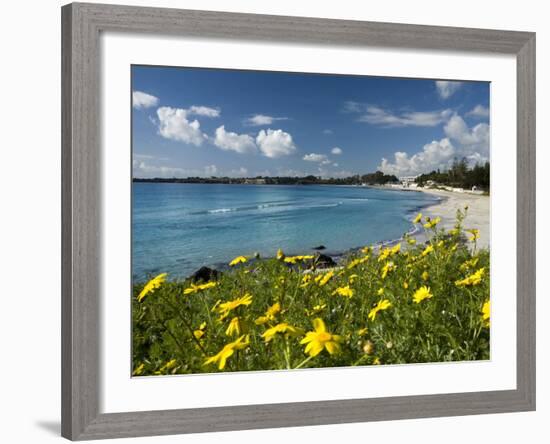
x=478 y=212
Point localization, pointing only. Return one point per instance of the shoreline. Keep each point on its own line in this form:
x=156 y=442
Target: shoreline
x=478 y=212
x=445 y=208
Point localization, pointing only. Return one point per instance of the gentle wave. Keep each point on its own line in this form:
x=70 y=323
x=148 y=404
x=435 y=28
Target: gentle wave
x=281 y=207
x=221 y=210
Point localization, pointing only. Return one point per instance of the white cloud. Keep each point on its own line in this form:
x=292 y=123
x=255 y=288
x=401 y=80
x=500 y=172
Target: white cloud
x=474 y=140
x=143 y=156
x=144 y=169
x=336 y=150
x=289 y=172
x=204 y=111
x=353 y=107
x=141 y=100
x=434 y=155
x=262 y=120
x=446 y=89
x=265 y=173
x=275 y=143
x=240 y=143
x=378 y=116
x=210 y=170
x=461 y=141
x=335 y=164
x=173 y=124
x=478 y=111
x=338 y=174
x=241 y=172
x=314 y=157
x=327 y=131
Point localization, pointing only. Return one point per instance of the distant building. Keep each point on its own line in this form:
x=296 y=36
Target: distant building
x=255 y=181
x=406 y=181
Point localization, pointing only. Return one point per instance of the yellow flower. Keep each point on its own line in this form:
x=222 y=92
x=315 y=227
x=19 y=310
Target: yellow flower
x=234 y=328
x=427 y=250
x=384 y=254
x=322 y=280
x=199 y=333
x=356 y=262
x=318 y=308
x=344 y=291
x=425 y=276
x=454 y=231
x=376 y=361
x=368 y=348
x=352 y=278
x=167 y=366
x=320 y=339
x=294 y=259
x=418 y=218
x=238 y=260
x=282 y=328
x=469 y=264
x=405 y=285
x=201 y=287
x=216 y=305
x=431 y=223
x=139 y=370
x=411 y=241
x=227 y=351
x=421 y=294
x=387 y=268
x=306 y=281
x=387 y=252
x=486 y=314
x=226 y=307
x=270 y=314
x=365 y=250
x=152 y=285
x=280 y=255
x=475 y=234
x=382 y=305
x=471 y=280
x=362 y=331
x=380 y=291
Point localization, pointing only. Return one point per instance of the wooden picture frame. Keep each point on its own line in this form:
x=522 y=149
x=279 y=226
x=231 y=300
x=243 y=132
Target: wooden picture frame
x=81 y=235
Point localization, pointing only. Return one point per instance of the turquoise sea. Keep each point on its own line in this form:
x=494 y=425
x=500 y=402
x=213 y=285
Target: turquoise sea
x=177 y=228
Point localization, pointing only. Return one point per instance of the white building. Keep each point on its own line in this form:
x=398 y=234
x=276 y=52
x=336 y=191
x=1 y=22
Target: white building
x=407 y=181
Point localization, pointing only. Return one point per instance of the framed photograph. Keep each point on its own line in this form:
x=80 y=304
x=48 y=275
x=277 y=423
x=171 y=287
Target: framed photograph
x=278 y=221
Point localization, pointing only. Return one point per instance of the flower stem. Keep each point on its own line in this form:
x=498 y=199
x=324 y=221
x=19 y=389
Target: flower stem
x=304 y=362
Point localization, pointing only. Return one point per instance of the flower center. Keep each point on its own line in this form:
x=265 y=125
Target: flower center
x=324 y=337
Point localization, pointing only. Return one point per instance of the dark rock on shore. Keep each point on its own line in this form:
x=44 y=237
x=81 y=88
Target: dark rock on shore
x=324 y=261
x=320 y=247
x=205 y=274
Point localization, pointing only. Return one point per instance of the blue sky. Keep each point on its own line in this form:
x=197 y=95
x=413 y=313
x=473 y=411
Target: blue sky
x=206 y=122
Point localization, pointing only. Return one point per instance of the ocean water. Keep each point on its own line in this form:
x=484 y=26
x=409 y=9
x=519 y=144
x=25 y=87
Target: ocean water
x=177 y=228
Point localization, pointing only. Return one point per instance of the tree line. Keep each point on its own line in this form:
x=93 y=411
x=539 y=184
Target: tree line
x=377 y=178
x=460 y=175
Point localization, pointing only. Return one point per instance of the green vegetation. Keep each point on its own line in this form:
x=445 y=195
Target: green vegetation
x=377 y=178
x=460 y=175
x=407 y=303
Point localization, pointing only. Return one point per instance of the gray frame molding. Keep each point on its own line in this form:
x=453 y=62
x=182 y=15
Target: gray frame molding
x=81 y=166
